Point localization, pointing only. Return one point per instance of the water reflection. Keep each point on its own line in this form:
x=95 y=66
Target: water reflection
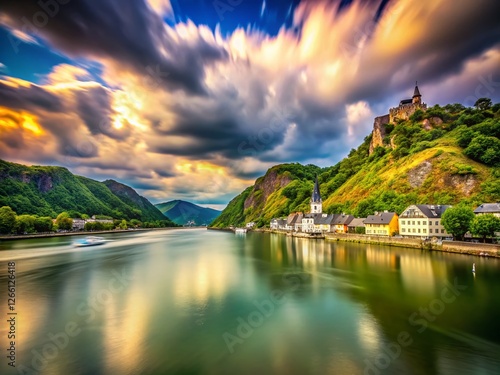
x=159 y=303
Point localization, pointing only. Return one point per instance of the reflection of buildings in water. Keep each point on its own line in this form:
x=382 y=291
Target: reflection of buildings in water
x=195 y=280
x=340 y=256
x=312 y=253
x=377 y=257
x=418 y=273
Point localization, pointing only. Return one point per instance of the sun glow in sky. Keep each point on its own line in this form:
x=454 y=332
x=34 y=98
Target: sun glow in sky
x=194 y=99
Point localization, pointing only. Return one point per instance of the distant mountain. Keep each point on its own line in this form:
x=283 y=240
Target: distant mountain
x=48 y=191
x=181 y=212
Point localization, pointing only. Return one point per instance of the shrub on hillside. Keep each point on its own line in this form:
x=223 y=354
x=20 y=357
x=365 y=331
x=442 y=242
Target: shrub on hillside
x=484 y=149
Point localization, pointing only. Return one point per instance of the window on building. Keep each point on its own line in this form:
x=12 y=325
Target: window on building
x=425 y=230
x=430 y=230
x=437 y=223
x=418 y=222
x=442 y=230
x=402 y=222
x=418 y=230
x=413 y=230
x=413 y=222
x=403 y=230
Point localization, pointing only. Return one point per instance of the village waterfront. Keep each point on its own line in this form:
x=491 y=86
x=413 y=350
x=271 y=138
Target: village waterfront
x=211 y=302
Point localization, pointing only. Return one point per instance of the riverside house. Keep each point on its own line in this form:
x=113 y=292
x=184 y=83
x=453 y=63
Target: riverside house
x=382 y=224
x=341 y=223
x=423 y=220
x=358 y=222
x=488 y=208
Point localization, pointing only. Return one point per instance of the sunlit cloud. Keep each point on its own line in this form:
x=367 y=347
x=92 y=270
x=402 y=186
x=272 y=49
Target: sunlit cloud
x=162 y=7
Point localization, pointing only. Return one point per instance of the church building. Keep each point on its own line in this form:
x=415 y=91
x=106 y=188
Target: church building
x=316 y=202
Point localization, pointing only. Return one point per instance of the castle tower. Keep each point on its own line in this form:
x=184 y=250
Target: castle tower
x=316 y=202
x=417 y=98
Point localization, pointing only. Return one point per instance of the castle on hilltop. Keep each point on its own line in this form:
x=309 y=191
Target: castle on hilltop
x=407 y=107
x=403 y=111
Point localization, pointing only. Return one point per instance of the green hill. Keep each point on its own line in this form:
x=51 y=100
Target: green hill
x=48 y=191
x=444 y=155
x=181 y=212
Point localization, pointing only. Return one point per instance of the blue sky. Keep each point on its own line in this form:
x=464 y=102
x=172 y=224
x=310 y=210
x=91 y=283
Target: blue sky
x=195 y=99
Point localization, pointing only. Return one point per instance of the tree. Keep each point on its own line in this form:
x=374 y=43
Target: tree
x=485 y=225
x=43 y=224
x=483 y=104
x=484 y=149
x=64 y=222
x=123 y=224
x=360 y=230
x=7 y=220
x=135 y=223
x=465 y=136
x=25 y=224
x=457 y=220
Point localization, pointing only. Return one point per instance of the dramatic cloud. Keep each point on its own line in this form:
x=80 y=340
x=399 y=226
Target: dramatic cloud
x=178 y=110
x=128 y=34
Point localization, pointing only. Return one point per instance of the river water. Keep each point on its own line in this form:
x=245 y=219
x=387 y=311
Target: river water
x=210 y=302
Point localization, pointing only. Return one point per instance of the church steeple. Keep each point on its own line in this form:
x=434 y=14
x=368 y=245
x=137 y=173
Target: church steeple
x=417 y=98
x=316 y=202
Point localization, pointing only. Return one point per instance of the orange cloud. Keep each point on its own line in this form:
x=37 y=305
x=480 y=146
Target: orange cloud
x=10 y=119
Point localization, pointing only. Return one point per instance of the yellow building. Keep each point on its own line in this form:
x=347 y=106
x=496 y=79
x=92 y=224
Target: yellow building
x=382 y=224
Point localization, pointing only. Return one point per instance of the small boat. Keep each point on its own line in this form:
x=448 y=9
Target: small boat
x=240 y=230
x=90 y=241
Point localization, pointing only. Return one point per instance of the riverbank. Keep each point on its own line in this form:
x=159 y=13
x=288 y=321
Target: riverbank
x=458 y=247
x=86 y=233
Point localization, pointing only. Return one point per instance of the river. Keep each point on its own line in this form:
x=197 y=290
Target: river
x=210 y=302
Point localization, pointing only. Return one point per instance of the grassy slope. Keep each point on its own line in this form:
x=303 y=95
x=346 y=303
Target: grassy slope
x=389 y=175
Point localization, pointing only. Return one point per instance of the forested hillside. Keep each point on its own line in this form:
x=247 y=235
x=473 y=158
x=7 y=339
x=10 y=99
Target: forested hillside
x=48 y=191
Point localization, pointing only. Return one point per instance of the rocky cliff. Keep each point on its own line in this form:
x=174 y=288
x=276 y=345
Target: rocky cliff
x=378 y=132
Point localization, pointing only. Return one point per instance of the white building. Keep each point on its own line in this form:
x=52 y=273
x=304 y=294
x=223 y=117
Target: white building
x=488 y=208
x=423 y=220
x=278 y=224
x=78 y=224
